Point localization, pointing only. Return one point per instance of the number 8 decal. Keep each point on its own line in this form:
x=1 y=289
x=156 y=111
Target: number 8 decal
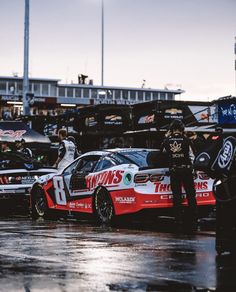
x=59 y=190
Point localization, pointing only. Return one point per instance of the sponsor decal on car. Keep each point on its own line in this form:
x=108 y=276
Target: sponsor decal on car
x=162 y=188
x=27 y=180
x=72 y=205
x=29 y=165
x=184 y=196
x=83 y=205
x=105 y=178
x=125 y=200
x=127 y=178
x=80 y=205
x=20 y=191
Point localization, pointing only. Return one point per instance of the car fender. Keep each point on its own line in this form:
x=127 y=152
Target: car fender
x=98 y=189
x=45 y=178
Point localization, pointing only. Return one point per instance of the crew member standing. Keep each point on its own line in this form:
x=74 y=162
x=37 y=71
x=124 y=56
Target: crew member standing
x=5 y=147
x=72 y=139
x=180 y=156
x=66 y=151
x=20 y=147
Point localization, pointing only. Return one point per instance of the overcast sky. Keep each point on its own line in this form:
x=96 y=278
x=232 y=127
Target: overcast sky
x=187 y=43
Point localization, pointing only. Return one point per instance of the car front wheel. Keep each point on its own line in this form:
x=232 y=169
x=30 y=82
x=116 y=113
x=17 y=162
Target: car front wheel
x=39 y=203
x=103 y=206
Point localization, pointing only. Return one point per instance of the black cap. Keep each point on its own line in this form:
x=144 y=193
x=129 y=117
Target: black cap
x=20 y=140
x=177 y=125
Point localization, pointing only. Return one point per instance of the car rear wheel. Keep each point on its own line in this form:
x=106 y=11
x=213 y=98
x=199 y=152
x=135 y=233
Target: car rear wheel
x=39 y=203
x=103 y=206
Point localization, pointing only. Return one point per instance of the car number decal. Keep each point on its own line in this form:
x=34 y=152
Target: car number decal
x=59 y=190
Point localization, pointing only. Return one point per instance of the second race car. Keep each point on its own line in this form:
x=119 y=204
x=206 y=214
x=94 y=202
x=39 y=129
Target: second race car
x=18 y=172
x=111 y=183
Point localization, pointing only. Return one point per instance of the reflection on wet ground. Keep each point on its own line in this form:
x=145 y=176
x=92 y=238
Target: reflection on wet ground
x=68 y=255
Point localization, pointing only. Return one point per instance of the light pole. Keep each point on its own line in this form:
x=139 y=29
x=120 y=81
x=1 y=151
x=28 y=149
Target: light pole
x=102 y=28
x=235 y=63
x=26 y=109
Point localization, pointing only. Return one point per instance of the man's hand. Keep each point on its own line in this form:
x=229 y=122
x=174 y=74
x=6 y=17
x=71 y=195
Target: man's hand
x=168 y=133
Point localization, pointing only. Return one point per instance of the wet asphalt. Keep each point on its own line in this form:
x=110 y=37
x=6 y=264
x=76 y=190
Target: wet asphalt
x=69 y=255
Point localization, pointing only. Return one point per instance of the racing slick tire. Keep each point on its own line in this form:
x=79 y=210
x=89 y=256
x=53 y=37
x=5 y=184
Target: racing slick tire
x=39 y=207
x=103 y=206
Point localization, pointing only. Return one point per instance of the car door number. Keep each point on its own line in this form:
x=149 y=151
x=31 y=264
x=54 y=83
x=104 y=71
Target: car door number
x=59 y=190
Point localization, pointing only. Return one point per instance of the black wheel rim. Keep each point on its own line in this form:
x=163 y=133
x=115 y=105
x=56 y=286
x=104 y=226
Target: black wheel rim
x=104 y=206
x=40 y=203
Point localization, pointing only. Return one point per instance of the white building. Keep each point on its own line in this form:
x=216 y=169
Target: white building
x=49 y=94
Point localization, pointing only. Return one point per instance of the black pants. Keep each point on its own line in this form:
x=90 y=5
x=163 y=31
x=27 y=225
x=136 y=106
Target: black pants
x=183 y=177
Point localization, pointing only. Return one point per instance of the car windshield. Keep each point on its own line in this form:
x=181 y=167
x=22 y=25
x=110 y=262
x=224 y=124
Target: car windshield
x=142 y=158
x=17 y=160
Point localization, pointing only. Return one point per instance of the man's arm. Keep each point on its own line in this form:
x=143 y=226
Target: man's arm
x=163 y=148
x=61 y=154
x=29 y=152
x=57 y=162
x=192 y=151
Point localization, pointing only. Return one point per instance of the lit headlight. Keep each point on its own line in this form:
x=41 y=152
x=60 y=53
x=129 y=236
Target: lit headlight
x=218 y=182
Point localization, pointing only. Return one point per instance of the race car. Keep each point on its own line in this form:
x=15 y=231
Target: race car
x=111 y=183
x=17 y=175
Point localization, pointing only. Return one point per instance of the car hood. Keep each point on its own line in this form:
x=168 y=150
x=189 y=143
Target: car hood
x=46 y=177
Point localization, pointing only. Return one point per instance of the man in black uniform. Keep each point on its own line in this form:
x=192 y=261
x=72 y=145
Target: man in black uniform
x=198 y=142
x=180 y=156
x=20 y=147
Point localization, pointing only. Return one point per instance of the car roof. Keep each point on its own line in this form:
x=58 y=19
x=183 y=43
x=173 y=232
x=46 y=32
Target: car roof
x=120 y=150
x=116 y=150
x=99 y=152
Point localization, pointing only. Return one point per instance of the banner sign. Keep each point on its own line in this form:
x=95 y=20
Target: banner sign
x=90 y=121
x=147 y=119
x=12 y=134
x=113 y=120
x=203 y=114
x=173 y=113
x=11 y=98
x=227 y=113
x=11 y=130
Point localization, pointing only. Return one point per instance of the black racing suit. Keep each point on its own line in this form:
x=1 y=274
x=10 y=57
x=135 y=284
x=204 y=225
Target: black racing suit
x=179 y=151
x=26 y=151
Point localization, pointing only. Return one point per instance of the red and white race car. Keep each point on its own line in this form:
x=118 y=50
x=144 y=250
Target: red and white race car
x=110 y=183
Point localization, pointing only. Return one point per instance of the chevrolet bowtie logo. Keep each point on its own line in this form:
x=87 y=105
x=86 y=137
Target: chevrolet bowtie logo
x=175 y=147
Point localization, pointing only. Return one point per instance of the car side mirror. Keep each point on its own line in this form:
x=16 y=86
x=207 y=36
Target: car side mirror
x=73 y=171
